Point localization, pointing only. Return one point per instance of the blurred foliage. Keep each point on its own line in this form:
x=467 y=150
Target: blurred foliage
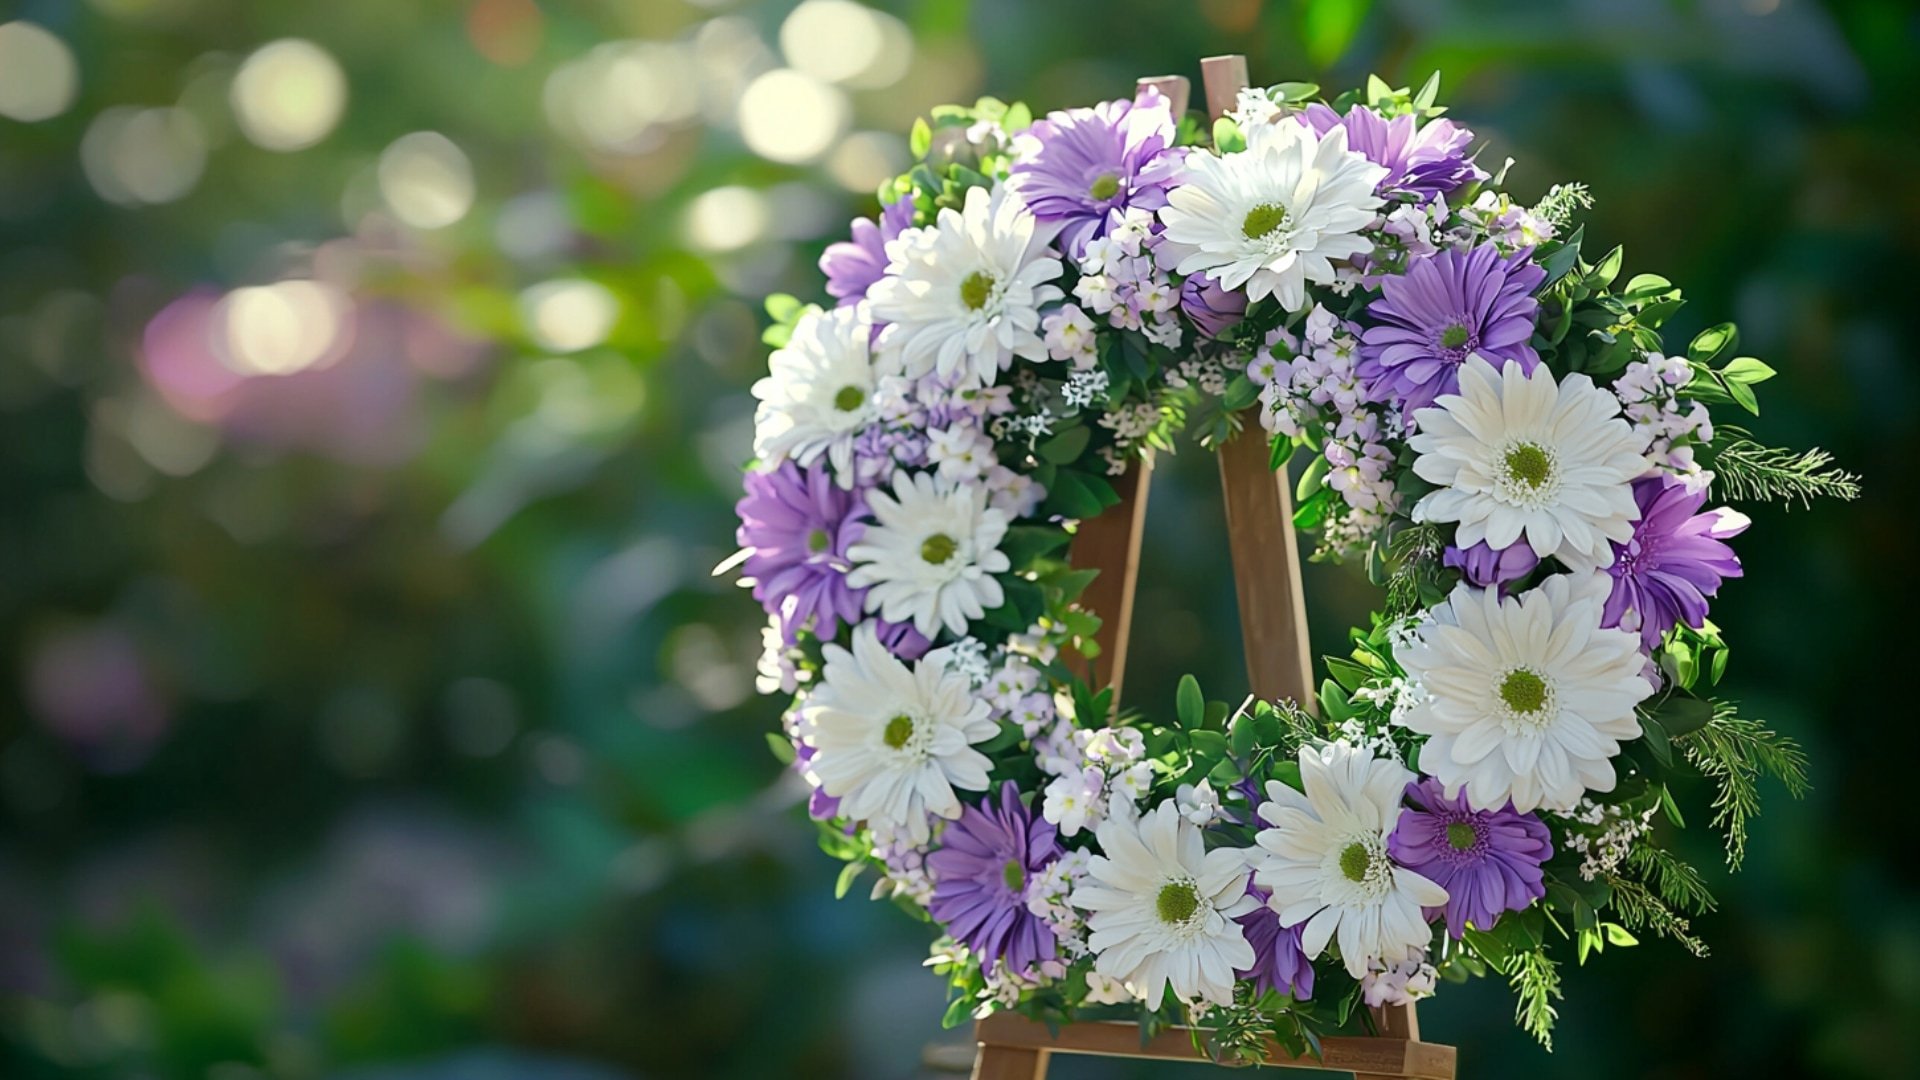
x=381 y=719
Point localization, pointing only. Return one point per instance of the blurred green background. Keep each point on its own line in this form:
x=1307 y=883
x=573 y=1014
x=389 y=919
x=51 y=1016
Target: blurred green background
x=367 y=708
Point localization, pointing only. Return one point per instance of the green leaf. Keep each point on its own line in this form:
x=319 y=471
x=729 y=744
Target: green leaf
x=784 y=308
x=1747 y=370
x=1606 y=270
x=781 y=746
x=1209 y=745
x=1243 y=738
x=921 y=140
x=1279 y=452
x=1071 y=496
x=1191 y=706
x=1019 y=118
x=1240 y=393
x=845 y=881
x=1312 y=479
x=1656 y=739
x=1295 y=91
x=959 y=1011
x=1708 y=344
x=1067 y=446
x=1682 y=715
x=1618 y=935
x=1227 y=137
x=1743 y=394
x=1644 y=288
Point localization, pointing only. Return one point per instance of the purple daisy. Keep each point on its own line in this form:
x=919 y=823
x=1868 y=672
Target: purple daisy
x=1487 y=860
x=1675 y=560
x=1278 y=961
x=903 y=640
x=796 y=525
x=1446 y=307
x=1080 y=165
x=1426 y=161
x=852 y=266
x=980 y=876
x=1485 y=567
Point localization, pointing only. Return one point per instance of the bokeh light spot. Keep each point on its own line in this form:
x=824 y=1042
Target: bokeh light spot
x=281 y=328
x=726 y=219
x=135 y=156
x=426 y=180
x=38 y=75
x=791 y=117
x=568 y=315
x=289 y=95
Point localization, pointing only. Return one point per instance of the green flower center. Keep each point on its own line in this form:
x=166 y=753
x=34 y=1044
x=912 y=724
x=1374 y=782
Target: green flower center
x=1453 y=336
x=1015 y=876
x=1177 y=902
x=1461 y=836
x=1529 y=464
x=1355 y=861
x=938 y=548
x=1264 y=220
x=849 y=398
x=975 y=290
x=899 y=730
x=817 y=541
x=1523 y=691
x=1105 y=186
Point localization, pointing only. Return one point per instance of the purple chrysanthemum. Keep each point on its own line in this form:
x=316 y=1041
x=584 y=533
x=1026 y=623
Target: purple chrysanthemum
x=1426 y=161
x=852 y=266
x=1487 y=860
x=1078 y=166
x=1212 y=309
x=1446 y=307
x=1675 y=560
x=1485 y=567
x=796 y=525
x=1278 y=961
x=980 y=876
x=903 y=640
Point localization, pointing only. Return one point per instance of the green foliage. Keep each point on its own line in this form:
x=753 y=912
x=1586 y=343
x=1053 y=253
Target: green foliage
x=1734 y=752
x=1745 y=470
x=1535 y=979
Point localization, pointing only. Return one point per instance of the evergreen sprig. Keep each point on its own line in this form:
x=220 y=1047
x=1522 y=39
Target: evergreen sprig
x=1562 y=201
x=1412 y=553
x=1535 y=979
x=1640 y=909
x=1746 y=470
x=1734 y=752
x=1675 y=881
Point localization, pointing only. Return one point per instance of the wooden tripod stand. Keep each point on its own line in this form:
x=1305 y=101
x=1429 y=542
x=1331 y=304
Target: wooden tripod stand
x=1273 y=623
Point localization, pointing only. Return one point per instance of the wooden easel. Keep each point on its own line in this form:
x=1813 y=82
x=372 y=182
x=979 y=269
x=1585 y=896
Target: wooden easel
x=1273 y=622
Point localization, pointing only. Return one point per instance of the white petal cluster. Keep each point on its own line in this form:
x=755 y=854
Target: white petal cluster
x=963 y=295
x=819 y=392
x=1525 y=697
x=893 y=741
x=1325 y=858
x=1519 y=455
x=1162 y=908
x=1272 y=217
x=930 y=555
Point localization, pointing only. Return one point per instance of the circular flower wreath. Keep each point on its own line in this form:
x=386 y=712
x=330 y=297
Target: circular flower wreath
x=1495 y=426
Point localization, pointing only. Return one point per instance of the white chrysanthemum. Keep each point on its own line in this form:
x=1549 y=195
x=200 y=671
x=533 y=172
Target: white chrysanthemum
x=1162 y=908
x=1520 y=455
x=1525 y=697
x=892 y=742
x=930 y=555
x=1274 y=216
x=964 y=294
x=818 y=392
x=1325 y=858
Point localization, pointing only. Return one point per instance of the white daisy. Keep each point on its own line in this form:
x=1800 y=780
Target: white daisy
x=1325 y=858
x=1163 y=908
x=818 y=392
x=1520 y=455
x=930 y=555
x=1525 y=697
x=892 y=742
x=1274 y=216
x=964 y=294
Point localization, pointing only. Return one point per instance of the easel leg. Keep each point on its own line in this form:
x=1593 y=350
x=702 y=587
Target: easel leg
x=1009 y=1063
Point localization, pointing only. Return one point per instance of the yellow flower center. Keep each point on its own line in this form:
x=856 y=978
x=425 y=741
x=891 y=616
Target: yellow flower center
x=849 y=398
x=1105 y=186
x=1015 y=876
x=817 y=541
x=938 y=548
x=1263 y=220
x=1523 y=691
x=1529 y=464
x=1355 y=861
x=1177 y=902
x=1461 y=836
x=1453 y=336
x=976 y=289
x=899 y=730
